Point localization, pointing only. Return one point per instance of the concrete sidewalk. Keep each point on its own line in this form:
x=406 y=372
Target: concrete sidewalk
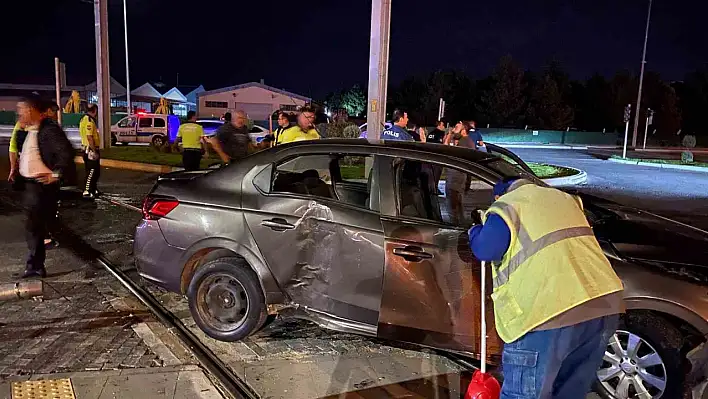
x=86 y=332
x=183 y=382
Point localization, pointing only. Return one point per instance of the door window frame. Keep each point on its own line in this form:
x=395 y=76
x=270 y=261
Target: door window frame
x=273 y=166
x=391 y=210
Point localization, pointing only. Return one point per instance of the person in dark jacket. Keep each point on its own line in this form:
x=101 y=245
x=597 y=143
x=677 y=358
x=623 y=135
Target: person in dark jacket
x=232 y=141
x=47 y=158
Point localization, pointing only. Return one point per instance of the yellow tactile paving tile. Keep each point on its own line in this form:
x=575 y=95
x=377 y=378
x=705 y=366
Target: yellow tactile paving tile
x=43 y=389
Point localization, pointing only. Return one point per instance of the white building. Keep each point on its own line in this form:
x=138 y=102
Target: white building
x=258 y=100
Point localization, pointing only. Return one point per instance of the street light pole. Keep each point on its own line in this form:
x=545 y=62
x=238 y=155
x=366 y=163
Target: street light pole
x=127 y=67
x=641 y=80
x=103 y=77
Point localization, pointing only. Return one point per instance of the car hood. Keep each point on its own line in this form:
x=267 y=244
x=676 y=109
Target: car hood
x=650 y=239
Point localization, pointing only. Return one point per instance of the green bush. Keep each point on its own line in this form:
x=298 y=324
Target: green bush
x=337 y=130
x=687 y=157
x=351 y=132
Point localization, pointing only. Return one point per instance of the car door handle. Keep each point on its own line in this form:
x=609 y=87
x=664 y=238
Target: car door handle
x=411 y=253
x=277 y=224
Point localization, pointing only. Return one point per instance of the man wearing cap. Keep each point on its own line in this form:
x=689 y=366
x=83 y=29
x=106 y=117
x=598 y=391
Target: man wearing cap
x=556 y=297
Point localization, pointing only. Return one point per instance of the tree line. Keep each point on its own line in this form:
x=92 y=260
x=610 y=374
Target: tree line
x=548 y=99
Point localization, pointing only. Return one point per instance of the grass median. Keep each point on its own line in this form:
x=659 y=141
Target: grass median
x=152 y=156
x=662 y=161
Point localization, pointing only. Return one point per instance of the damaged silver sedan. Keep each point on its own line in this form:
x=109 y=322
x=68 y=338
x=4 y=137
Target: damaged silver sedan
x=370 y=237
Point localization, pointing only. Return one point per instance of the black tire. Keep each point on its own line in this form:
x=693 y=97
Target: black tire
x=158 y=141
x=114 y=140
x=665 y=339
x=242 y=281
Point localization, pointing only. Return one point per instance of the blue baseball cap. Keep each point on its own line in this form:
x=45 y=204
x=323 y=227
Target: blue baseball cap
x=503 y=185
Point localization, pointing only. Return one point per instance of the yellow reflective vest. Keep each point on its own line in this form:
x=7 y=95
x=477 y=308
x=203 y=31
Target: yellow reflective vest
x=87 y=127
x=295 y=133
x=553 y=264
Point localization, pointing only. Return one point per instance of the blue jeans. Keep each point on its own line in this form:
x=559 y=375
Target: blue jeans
x=559 y=363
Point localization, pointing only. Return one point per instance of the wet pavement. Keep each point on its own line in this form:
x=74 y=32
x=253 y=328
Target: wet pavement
x=84 y=321
x=288 y=358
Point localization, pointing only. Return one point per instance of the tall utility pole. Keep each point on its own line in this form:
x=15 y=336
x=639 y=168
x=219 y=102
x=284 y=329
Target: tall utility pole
x=378 y=67
x=127 y=65
x=57 y=79
x=641 y=80
x=103 y=77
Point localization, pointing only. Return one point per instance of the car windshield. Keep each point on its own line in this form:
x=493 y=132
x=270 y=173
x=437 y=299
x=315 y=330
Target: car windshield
x=506 y=169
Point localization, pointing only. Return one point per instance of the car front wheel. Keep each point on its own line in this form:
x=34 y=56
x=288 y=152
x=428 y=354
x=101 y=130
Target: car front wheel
x=642 y=360
x=158 y=141
x=226 y=300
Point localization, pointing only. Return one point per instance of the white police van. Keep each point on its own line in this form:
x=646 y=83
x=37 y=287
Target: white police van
x=155 y=129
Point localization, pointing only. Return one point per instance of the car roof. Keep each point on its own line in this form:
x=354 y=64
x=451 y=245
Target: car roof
x=461 y=153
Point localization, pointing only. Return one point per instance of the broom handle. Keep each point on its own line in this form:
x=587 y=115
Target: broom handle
x=484 y=319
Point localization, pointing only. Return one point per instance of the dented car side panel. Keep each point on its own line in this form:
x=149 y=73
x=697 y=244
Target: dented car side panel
x=325 y=255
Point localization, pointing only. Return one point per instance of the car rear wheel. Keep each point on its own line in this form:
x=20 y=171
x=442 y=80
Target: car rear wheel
x=114 y=140
x=226 y=300
x=642 y=360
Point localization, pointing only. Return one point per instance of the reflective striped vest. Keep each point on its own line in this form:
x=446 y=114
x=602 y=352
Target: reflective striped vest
x=554 y=263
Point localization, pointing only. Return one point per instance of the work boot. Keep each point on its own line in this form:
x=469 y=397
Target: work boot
x=31 y=273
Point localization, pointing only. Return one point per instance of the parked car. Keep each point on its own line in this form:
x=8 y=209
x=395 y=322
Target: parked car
x=257 y=133
x=156 y=129
x=309 y=233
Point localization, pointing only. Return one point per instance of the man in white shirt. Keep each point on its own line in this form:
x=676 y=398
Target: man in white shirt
x=47 y=157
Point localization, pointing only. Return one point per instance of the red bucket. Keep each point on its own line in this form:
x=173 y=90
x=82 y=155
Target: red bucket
x=483 y=386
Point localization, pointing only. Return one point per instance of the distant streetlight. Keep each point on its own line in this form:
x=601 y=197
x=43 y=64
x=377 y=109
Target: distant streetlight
x=641 y=80
x=127 y=67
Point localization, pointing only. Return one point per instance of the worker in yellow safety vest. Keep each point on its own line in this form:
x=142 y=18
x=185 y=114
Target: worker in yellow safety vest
x=305 y=129
x=90 y=142
x=192 y=137
x=283 y=125
x=556 y=297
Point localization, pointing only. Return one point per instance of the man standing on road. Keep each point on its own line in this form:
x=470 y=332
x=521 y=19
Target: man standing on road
x=192 y=137
x=47 y=158
x=398 y=131
x=556 y=296
x=90 y=142
x=231 y=140
x=437 y=135
x=476 y=136
x=305 y=129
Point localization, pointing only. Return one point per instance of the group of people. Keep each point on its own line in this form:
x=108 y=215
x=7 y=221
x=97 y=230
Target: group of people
x=232 y=141
x=463 y=134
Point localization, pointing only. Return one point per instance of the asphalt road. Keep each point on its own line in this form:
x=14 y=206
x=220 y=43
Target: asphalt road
x=674 y=193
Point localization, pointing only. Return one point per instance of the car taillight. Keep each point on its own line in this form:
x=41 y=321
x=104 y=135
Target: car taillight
x=156 y=208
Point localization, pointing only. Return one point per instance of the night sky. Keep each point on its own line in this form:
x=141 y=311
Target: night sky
x=317 y=46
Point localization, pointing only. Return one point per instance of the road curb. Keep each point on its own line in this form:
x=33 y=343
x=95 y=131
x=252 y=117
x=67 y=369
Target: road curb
x=139 y=166
x=701 y=169
x=581 y=177
x=541 y=146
